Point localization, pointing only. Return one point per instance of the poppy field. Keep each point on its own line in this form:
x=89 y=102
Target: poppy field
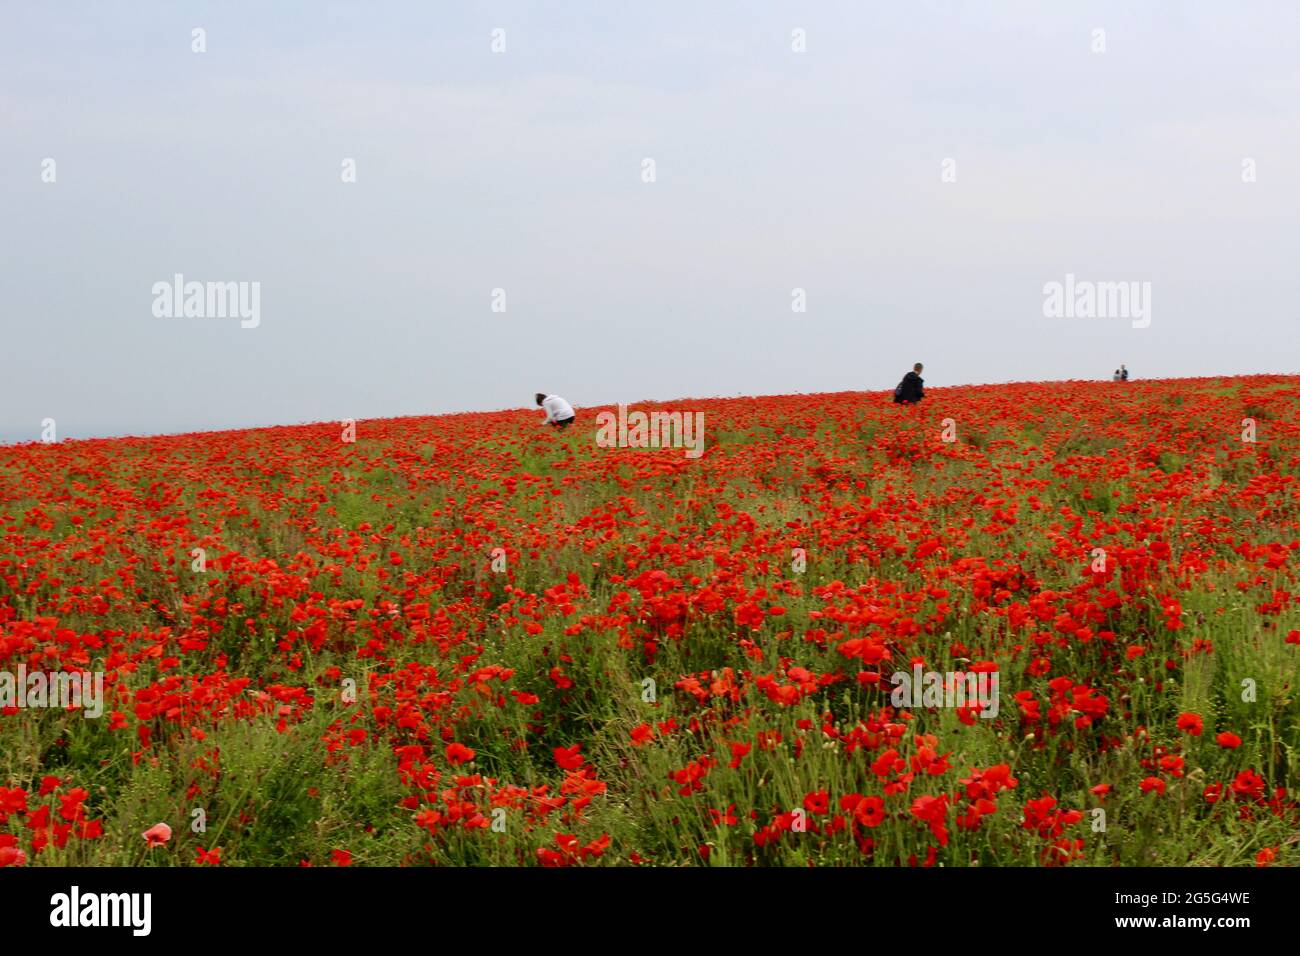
x=468 y=640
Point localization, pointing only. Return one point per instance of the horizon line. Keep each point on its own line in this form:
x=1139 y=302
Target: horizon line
x=124 y=436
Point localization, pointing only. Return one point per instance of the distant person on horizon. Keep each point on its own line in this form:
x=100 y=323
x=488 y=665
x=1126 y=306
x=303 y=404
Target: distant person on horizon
x=1123 y=374
x=912 y=388
x=1115 y=377
x=559 y=413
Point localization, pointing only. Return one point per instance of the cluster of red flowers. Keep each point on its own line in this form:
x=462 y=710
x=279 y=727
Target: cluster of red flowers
x=51 y=822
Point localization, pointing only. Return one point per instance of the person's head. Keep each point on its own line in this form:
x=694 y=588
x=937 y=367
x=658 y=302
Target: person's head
x=917 y=368
x=540 y=398
x=1123 y=366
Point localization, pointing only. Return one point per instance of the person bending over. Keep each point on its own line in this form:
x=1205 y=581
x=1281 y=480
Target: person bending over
x=559 y=413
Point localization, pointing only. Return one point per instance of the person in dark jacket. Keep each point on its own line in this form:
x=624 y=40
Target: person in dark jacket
x=912 y=388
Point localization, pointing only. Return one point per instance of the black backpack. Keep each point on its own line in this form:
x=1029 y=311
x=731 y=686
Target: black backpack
x=898 y=392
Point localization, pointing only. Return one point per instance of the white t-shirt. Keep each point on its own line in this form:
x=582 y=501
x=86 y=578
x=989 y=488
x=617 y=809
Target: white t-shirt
x=556 y=408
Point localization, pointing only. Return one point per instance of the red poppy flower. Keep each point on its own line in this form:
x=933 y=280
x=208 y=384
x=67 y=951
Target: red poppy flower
x=208 y=857
x=12 y=856
x=642 y=734
x=157 y=835
x=1190 y=723
x=817 y=803
x=1152 y=784
x=870 y=811
x=458 y=754
x=568 y=758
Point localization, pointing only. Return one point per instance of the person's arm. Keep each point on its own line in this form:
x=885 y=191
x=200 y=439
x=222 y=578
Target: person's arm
x=546 y=419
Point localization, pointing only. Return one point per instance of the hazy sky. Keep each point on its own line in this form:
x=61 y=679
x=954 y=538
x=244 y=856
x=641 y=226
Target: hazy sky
x=523 y=170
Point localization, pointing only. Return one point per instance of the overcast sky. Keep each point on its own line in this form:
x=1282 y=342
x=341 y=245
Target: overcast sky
x=523 y=170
